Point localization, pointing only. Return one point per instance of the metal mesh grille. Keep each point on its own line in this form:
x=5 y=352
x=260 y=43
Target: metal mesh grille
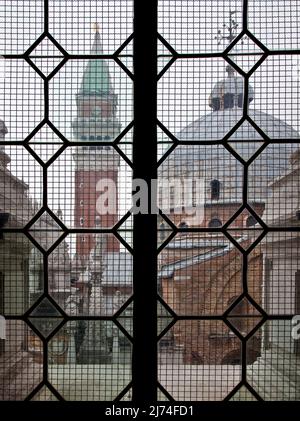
x=228 y=267
x=66 y=267
x=227 y=284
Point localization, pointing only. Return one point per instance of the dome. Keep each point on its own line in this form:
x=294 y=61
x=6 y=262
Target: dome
x=216 y=125
x=215 y=162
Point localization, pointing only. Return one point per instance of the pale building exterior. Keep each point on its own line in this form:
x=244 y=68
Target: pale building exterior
x=22 y=281
x=276 y=374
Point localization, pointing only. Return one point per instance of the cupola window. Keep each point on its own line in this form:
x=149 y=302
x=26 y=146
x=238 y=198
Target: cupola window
x=183 y=224
x=215 y=223
x=215 y=189
x=172 y=197
x=194 y=194
x=162 y=233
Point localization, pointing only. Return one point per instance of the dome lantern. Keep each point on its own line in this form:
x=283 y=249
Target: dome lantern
x=229 y=92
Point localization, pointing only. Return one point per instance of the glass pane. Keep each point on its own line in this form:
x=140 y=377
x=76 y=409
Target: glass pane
x=228 y=149
x=65 y=250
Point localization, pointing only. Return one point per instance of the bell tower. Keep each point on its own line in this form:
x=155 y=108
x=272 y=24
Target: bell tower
x=97 y=165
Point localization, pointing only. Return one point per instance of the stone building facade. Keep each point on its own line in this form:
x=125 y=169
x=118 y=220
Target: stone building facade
x=15 y=211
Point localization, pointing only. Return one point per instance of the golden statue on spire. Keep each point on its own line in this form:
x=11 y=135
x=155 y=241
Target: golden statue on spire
x=96 y=27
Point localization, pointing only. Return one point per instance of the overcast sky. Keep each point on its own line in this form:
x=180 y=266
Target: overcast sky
x=189 y=26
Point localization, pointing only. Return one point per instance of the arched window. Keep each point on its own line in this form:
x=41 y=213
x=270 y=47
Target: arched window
x=240 y=309
x=183 y=224
x=160 y=196
x=215 y=223
x=228 y=100
x=81 y=221
x=250 y=221
x=172 y=196
x=194 y=194
x=162 y=233
x=214 y=189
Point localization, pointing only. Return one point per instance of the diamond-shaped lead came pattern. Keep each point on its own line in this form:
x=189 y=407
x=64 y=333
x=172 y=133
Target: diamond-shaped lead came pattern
x=126 y=230
x=45 y=143
x=45 y=317
x=127 y=396
x=126 y=56
x=164 y=230
x=245 y=53
x=46 y=56
x=45 y=325
x=244 y=236
x=45 y=231
x=164 y=56
x=164 y=318
x=245 y=218
x=245 y=148
x=164 y=143
x=45 y=309
x=244 y=317
x=44 y=394
x=243 y=394
x=125 y=318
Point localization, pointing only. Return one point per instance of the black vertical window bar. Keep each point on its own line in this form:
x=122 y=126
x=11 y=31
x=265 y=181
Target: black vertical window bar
x=144 y=368
x=144 y=237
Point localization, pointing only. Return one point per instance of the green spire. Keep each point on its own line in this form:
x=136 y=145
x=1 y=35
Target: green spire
x=96 y=78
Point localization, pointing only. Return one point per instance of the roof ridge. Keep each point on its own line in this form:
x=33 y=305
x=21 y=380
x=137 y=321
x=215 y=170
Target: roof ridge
x=164 y=272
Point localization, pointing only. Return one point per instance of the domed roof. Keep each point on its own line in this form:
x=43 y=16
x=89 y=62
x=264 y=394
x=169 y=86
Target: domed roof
x=215 y=162
x=216 y=125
